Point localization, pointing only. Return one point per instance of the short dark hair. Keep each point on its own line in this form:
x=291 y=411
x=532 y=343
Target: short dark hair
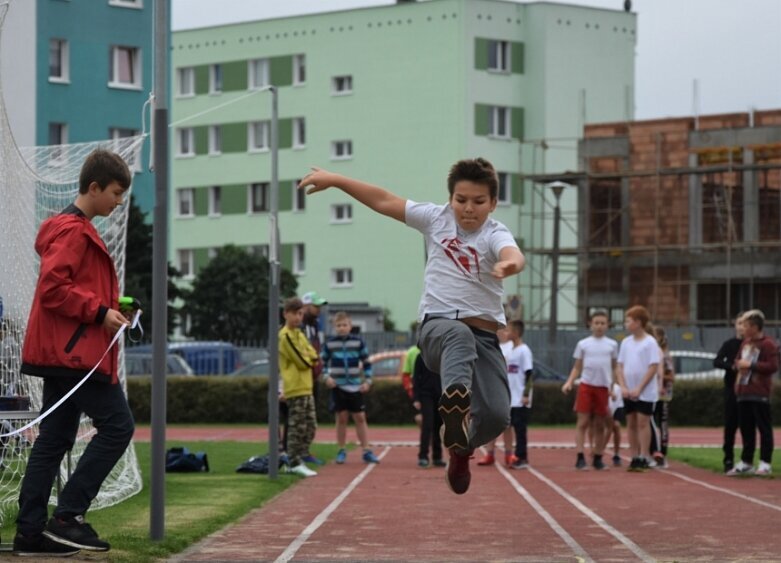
x=293 y=304
x=477 y=170
x=518 y=326
x=598 y=313
x=104 y=167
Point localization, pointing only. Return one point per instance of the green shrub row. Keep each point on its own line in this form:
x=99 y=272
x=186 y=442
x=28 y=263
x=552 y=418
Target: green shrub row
x=244 y=399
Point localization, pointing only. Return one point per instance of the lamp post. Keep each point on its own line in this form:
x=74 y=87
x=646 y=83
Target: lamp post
x=557 y=188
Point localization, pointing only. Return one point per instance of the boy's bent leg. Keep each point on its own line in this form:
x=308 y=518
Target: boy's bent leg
x=56 y=435
x=490 y=412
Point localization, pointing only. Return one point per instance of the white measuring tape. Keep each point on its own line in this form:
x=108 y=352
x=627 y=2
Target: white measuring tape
x=75 y=387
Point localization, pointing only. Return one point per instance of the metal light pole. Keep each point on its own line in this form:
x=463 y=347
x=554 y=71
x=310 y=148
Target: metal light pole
x=557 y=188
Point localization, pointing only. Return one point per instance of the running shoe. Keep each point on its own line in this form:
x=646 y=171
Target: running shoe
x=741 y=469
x=303 y=471
x=520 y=464
x=458 y=474
x=487 y=459
x=764 y=469
x=341 y=456
x=309 y=458
x=39 y=545
x=581 y=463
x=369 y=457
x=423 y=462
x=74 y=532
x=616 y=461
x=454 y=407
x=598 y=464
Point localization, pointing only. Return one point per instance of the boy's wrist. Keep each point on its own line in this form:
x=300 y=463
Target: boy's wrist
x=101 y=316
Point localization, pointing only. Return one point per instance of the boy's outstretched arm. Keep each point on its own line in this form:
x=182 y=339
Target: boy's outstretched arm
x=511 y=261
x=374 y=197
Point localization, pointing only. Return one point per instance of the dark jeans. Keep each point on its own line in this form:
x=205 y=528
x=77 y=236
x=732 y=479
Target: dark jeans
x=660 y=428
x=730 y=423
x=107 y=406
x=429 y=428
x=519 y=418
x=753 y=416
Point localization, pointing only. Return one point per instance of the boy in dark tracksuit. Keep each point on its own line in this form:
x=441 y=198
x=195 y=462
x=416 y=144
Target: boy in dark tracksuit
x=74 y=315
x=757 y=363
x=725 y=360
x=426 y=391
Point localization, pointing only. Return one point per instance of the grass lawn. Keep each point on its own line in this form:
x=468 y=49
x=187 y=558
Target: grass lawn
x=197 y=504
x=711 y=458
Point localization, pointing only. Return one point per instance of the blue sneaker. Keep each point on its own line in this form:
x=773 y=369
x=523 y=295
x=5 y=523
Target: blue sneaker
x=309 y=458
x=341 y=456
x=369 y=457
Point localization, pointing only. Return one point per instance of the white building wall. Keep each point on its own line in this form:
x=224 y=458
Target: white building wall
x=18 y=68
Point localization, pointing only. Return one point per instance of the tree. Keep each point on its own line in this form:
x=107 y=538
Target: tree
x=229 y=297
x=138 y=269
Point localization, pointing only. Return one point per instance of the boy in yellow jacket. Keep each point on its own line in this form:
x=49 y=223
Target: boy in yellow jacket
x=296 y=358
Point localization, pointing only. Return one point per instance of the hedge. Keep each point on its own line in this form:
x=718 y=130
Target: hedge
x=220 y=399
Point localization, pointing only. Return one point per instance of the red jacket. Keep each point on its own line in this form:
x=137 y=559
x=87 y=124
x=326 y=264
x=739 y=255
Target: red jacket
x=77 y=284
x=756 y=383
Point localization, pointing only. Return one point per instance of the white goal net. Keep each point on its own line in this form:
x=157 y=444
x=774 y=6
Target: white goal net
x=36 y=183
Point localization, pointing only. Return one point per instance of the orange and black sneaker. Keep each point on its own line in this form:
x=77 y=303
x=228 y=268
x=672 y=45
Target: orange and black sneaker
x=454 y=407
x=458 y=474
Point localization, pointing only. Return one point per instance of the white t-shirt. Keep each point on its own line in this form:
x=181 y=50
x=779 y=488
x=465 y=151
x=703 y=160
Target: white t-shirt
x=518 y=363
x=597 y=355
x=506 y=348
x=618 y=402
x=457 y=282
x=637 y=356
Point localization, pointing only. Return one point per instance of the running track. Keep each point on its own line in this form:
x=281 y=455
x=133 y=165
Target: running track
x=397 y=512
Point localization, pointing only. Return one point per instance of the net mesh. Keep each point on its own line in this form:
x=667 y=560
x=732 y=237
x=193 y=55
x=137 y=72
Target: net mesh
x=36 y=183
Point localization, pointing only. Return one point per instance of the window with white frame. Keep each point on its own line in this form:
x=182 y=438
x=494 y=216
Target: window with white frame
x=186 y=139
x=58 y=135
x=500 y=122
x=127 y=3
x=185 y=262
x=215 y=79
x=341 y=277
x=259 y=193
x=299 y=197
x=59 y=63
x=341 y=85
x=342 y=213
x=504 y=197
x=186 y=77
x=341 y=150
x=259 y=133
x=116 y=133
x=185 y=202
x=258 y=73
x=299 y=259
x=299 y=132
x=499 y=56
x=215 y=139
x=125 y=67
x=215 y=201
x=299 y=69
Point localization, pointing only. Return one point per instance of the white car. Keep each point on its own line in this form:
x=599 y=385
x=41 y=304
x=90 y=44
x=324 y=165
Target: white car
x=690 y=365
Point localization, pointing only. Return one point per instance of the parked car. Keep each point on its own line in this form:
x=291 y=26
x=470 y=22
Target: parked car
x=258 y=368
x=388 y=364
x=691 y=364
x=205 y=357
x=140 y=363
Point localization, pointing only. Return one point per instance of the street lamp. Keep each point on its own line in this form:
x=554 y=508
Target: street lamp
x=557 y=188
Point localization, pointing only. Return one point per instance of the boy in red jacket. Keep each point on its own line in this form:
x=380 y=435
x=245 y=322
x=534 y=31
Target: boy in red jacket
x=756 y=364
x=74 y=315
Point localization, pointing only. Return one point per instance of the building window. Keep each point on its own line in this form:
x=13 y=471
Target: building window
x=215 y=201
x=258 y=73
x=258 y=250
x=186 y=78
x=299 y=132
x=59 y=70
x=185 y=262
x=342 y=277
x=500 y=122
x=299 y=197
x=342 y=213
x=499 y=56
x=605 y=213
x=215 y=79
x=186 y=142
x=341 y=85
x=341 y=150
x=259 y=197
x=299 y=69
x=504 y=196
x=258 y=132
x=117 y=133
x=299 y=259
x=58 y=135
x=215 y=139
x=184 y=202
x=722 y=212
x=125 y=67
x=127 y=3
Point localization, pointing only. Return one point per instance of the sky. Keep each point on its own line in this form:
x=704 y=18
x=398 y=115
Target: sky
x=731 y=48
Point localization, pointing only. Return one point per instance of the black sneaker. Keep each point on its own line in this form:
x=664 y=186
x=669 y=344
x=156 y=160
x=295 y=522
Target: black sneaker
x=634 y=465
x=454 y=407
x=598 y=464
x=581 y=463
x=616 y=461
x=40 y=546
x=728 y=465
x=75 y=532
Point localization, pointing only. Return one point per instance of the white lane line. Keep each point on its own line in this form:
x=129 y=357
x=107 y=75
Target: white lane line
x=581 y=553
x=722 y=490
x=321 y=518
x=632 y=546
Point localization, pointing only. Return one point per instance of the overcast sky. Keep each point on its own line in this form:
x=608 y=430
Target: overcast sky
x=731 y=47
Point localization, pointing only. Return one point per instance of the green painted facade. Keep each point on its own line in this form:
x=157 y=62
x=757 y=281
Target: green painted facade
x=427 y=79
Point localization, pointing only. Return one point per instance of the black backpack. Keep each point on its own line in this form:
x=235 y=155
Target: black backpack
x=259 y=464
x=181 y=460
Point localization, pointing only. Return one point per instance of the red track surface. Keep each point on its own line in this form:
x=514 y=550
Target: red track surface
x=396 y=511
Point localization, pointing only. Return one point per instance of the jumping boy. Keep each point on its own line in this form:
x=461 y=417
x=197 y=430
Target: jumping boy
x=74 y=316
x=346 y=360
x=595 y=362
x=461 y=308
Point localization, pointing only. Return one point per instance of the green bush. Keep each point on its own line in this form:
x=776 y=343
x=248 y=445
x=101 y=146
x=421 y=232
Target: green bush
x=244 y=399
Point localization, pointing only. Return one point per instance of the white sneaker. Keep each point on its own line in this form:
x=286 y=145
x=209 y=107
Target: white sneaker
x=741 y=469
x=764 y=469
x=303 y=470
